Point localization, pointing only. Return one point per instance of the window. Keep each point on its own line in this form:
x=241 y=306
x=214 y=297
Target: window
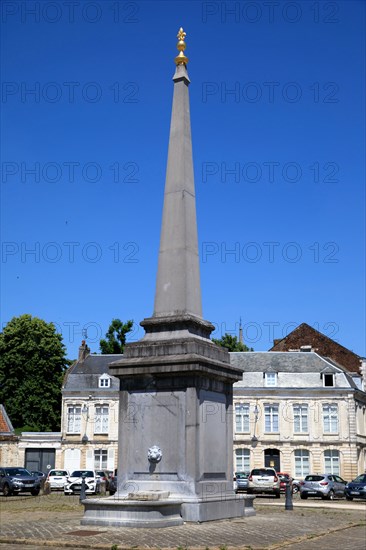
x=105 y=381
x=328 y=379
x=100 y=459
x=241 y=418
x=331 y=462
x=300 y=418
x=302 y=463
x=330 y=419
x=271 y=418
x=271 y=379
x=101 y=419
x=242 y=460
x=74 y=419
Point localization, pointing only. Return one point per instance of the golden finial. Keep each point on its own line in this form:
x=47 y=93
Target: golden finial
x=181 y=46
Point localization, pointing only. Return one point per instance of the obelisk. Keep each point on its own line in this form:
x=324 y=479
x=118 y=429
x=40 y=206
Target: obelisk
x=176 y=385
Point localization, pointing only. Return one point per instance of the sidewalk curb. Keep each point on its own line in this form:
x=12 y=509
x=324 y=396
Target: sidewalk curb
x=359 y=506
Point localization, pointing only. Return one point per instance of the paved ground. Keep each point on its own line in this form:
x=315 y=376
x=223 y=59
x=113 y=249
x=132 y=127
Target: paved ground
x=54 y=521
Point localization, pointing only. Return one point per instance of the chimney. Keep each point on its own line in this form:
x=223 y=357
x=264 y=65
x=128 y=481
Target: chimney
x=363 y=373
x=83 y=351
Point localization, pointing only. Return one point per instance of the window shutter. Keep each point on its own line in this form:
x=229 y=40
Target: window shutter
x=110 y=465
x=72 y=460
x=89 y=459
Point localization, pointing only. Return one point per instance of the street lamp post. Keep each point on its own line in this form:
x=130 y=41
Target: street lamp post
x=85 y=411
x=256 y=413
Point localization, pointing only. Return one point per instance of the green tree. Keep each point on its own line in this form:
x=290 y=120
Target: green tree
x=32 y=365
x=231 y=343
x=115 y=337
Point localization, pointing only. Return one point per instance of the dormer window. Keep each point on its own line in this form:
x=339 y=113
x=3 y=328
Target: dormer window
x=271 y=379
x=306 y=349
x=104 y=381
x=328 y=380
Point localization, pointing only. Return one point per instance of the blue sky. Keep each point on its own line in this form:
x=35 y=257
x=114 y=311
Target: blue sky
x=278 y=126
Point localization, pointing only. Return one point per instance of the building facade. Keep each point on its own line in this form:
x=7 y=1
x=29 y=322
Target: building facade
x=299 y=413
x=89 y=423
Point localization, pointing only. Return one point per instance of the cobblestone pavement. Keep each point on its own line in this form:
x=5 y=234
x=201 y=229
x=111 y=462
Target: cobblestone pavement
x=54 y=521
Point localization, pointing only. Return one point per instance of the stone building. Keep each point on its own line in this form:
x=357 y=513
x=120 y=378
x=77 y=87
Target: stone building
x=296 y=410
x=8 y=439
x=89 y=423
x=300 y=413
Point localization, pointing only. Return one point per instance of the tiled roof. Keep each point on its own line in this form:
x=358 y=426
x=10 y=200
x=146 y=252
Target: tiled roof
x=261 y=361
x=5 y=424
x=304 y=335
x=84 y=375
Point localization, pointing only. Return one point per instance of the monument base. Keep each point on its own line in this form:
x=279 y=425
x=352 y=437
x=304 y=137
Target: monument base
x=200 y=510
x=132 y=513
x=163 y=512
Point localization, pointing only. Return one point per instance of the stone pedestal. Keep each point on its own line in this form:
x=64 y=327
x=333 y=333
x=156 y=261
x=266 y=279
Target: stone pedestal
x=132 y=513
x=176 y=395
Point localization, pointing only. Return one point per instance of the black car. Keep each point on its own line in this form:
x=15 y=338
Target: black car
x=16 y=480
x=112 y=488
x=356 y=488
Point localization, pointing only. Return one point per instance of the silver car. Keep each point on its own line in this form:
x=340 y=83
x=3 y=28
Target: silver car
x=326 y=486
x=241 y=481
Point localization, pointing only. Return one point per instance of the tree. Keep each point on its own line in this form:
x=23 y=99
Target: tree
x=231 y=343
x=32 y=365
x=115 y=337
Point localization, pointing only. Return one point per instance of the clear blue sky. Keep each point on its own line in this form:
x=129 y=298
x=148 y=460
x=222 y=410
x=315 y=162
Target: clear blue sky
x=278 y=125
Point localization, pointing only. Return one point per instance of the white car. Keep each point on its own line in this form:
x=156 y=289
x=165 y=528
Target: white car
x=57 y=479
x=74 y=481
x=264 y=480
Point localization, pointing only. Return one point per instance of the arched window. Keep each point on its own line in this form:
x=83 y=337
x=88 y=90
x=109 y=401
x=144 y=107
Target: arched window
x=242 y=460
x=331 y=462
x=302 y=462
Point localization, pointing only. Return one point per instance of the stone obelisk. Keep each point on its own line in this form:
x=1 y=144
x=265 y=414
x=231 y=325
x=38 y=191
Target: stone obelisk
x=175 y=419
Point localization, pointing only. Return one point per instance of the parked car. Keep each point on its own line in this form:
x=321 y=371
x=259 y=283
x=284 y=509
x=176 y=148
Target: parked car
x=356 y=488
x=41 y=476
x=103 y=477
x=296 y=485
x=113 y=483
x=241 y=481
x=284 y=479
x=326 y=486
x=264 y=480
x=74 y=481
x=57 y=479
x=18 y=480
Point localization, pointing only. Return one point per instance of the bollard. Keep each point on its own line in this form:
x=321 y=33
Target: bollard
x=288 y=495
x=83 y=489
x=103 y=488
